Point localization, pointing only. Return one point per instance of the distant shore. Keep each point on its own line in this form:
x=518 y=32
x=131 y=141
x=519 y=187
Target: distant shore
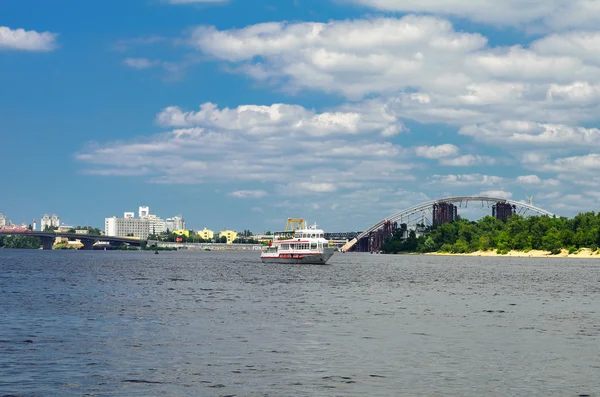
x=583 y=253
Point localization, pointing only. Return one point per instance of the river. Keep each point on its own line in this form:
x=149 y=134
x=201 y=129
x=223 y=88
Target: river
x=224 y=324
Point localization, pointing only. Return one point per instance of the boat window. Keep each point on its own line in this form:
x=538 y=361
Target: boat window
x=313 y=246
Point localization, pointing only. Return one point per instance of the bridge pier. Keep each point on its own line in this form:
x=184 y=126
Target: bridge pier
x=117 y=244
x=88 y=244
x=47 y=242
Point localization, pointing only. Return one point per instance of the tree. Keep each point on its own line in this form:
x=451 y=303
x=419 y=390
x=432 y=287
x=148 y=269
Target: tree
x=223 y=240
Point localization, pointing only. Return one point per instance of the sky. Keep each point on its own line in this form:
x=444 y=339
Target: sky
x=239 y=114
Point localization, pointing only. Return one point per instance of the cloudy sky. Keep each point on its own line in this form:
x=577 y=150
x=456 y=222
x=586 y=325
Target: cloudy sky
x=240 y=113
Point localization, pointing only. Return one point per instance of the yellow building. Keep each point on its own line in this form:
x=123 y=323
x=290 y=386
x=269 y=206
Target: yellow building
x=185 y=233
x=206 y=234
x=230 y=234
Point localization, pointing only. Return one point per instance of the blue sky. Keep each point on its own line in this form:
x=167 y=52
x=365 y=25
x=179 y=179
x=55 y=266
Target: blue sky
x=239 y=114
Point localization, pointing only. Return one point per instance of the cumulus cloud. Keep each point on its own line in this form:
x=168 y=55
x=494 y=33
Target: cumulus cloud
x=248 y=194
x=269 y=120
x=420 y=68
x=299 y=150
x=550 y=14
x=497 y=193
x=436 y=152
x=464 y=180
x=529 y=179
x=26 y=40
x=140 y=63
x=528 y=132
x=468 y=160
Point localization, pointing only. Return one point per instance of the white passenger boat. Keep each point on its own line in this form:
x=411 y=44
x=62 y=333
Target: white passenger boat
x=298 y=245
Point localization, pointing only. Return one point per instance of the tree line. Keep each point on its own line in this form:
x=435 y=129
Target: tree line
x=517 y=233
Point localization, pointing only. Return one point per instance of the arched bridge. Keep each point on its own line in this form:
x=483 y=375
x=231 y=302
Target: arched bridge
x=434 y=213
x=87 y=240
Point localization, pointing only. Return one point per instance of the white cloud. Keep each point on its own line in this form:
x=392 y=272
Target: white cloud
x=555 y=14
x=299 y=150
x=575 y=164
x=248 y=194
x=140 y=63
x=529 y=180
x=539 y=134
x=354 y=57
x=419 y=68
x=269 y=120
x=468 y=160
x=497 y=194
x=26 y=40
x=466 y=180
x=436 y=152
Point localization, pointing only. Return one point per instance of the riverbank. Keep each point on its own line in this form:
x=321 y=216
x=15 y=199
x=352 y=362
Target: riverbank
x=584 y=253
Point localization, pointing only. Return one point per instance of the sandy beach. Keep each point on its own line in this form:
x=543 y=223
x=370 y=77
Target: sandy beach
x=584 y=253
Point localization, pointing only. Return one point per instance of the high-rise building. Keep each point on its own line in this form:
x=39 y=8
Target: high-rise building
x=175 y=223
x=45 y=222
x=2 y=220
x=157 y=225
x=144 y=212
x=55 y=220
x=127 y=227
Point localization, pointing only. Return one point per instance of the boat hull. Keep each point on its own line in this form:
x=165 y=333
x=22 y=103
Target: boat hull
x=298 y=259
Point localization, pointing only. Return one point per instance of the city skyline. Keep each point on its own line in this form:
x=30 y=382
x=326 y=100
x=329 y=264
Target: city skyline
x=342 y=112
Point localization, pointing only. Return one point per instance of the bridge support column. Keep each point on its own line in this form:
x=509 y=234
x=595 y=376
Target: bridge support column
x=47 y=242
x=87 y=244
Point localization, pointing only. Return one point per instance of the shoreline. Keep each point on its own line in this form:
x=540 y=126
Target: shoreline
x=583 y=253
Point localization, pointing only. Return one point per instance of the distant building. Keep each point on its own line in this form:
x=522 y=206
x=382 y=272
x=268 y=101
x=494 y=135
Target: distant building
x=263 y=238
x=64 y=229
x=45 y=222
x=185 y=233
x=48 y=221
x=157 y=225
x=230 y=234
x=2 y=220
x=175 y=223
x=121 y=227
x=129 y=215
x=143 y=211
x=206 y=234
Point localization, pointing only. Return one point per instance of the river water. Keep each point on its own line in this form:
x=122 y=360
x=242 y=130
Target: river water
x=224 y=324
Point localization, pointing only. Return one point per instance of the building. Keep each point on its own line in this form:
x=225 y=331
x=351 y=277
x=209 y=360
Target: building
x=64 y=229
x=2 y=220
x=157 y=225
x=129 y=215
x=230 y=234
x=206 y=234
x=130 y=227
x=182 y=232
x=48 y=221
x=143 y=211
x=175 y=223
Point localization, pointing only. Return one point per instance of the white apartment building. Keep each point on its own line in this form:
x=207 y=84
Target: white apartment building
x=157 y=225
x=49 y=221
x=128 y=215
x=175 y=223
x=143 y=212
x=127 y=227
x=2 y=220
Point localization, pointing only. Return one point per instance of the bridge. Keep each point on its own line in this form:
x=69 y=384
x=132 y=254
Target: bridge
x=47 y=238
x=433 y=213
